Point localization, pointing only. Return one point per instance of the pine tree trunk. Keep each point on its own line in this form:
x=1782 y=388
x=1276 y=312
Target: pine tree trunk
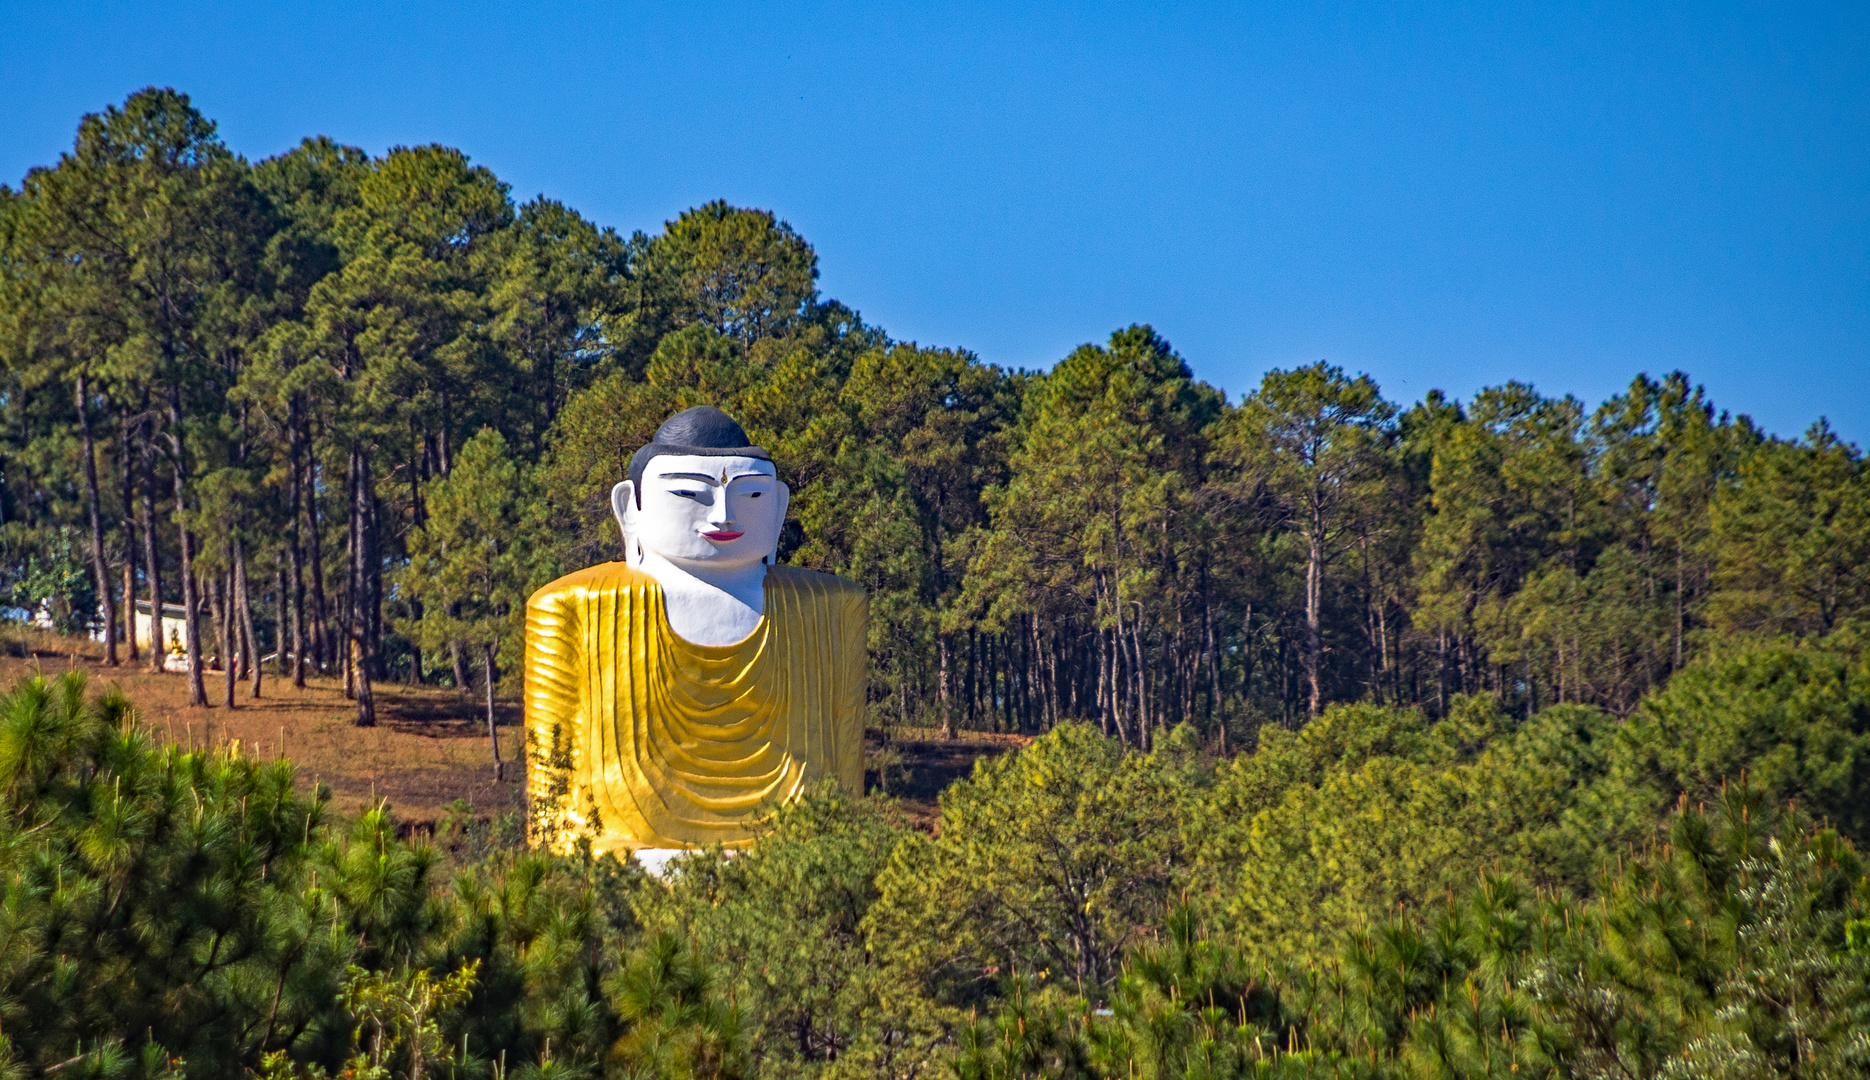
x=295 y=575
x=493 y=728
x=973 y=677
x=1103 y=684
x=1213 y=659
x=360 y=621
x=282 y=612
x=1148 y=719
x=98 y=565
x=947 y=705
x=128 y=476
x=244 y=600
x=191 y=600
x=220 y=595
x=1314 y=586
x=1008 y=670
x=347 y=601
x=360 y=688
x=371 y=568
x=1055 y=699
x=323 y=648
x=152 y=551
x=129 y=590
x=293 y=597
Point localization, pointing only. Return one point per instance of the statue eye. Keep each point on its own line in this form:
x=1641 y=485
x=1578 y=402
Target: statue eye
x=687 y=494
x=753 y=494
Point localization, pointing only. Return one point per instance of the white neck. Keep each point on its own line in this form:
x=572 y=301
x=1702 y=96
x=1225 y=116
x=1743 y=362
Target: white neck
x=707 y=604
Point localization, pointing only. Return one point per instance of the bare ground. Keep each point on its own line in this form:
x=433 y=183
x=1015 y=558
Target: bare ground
x=429 y=747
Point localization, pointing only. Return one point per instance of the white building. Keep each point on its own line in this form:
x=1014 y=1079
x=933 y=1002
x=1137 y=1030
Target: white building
x=171 y=626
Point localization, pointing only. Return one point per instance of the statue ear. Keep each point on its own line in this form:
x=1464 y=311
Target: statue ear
x=623 y=504
x=784 y=494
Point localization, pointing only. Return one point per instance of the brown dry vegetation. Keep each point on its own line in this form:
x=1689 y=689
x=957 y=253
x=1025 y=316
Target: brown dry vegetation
x=429 y=747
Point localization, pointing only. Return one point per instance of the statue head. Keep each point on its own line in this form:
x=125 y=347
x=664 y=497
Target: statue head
x=701 y=495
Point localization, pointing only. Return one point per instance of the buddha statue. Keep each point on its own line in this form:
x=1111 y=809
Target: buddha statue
x=671 y=695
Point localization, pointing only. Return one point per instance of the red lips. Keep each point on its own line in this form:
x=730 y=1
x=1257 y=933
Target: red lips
x=723 y=535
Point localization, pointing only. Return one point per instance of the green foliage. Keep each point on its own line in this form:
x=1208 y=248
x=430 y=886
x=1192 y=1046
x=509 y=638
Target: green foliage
x=1046 y=863
x=399 y=1013
x=168 y=912
x=43 y=571
x=1793 y=538
x=480 y=553
x=1367 y=810
x=283 y=362
x=742 y=273
x=1793 y=718
x=1376 y=894
x=1091 y=530
x=1719 y=950
x=1312 y=448
x=787 y=918
x=153 y=893
x=1539 y=704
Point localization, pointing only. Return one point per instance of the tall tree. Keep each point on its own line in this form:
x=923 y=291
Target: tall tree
x=1791 y=538
x=474 y=562
x=1317 y=445
x=1511 y=493
x=1086 y=528
x=167 y=229
x=1663 y=453
x=743 y=273
x=397 y=363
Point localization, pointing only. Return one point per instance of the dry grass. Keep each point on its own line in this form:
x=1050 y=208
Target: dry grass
x=429 y=748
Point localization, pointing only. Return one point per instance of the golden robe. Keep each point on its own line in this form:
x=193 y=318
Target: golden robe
x=637 y=738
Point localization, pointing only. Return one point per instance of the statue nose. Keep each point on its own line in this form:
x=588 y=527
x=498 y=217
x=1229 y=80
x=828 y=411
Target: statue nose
x=718 y=513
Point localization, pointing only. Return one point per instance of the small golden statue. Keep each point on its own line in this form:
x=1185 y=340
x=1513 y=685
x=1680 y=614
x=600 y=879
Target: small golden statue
x=671 y=695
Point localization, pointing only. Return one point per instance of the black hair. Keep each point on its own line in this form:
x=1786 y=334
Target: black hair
x=703 y=431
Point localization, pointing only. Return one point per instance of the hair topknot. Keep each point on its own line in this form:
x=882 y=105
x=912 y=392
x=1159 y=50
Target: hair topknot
x=703 y=431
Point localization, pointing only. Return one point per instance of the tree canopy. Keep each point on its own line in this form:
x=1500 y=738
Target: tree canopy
x=1362 y=738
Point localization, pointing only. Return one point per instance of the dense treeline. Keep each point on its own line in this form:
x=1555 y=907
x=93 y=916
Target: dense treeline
x=348 y=411
x=1677 y=893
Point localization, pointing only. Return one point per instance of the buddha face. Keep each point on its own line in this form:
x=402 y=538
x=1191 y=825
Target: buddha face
x=704 y=512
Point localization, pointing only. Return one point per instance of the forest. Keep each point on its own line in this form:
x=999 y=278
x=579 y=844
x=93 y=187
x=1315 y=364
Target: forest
x=1450 y=738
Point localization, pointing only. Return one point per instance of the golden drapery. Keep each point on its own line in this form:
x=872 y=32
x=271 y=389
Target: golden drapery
x=637 y=738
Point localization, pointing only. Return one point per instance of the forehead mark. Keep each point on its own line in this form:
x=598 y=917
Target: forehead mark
x=716 y=481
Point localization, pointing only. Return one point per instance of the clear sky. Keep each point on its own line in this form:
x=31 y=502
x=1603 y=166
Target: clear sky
x=1442 y=196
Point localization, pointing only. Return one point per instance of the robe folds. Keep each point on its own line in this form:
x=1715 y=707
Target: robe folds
x=639 y=739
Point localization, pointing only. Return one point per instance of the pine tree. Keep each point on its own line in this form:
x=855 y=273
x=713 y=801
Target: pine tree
x=474 y=562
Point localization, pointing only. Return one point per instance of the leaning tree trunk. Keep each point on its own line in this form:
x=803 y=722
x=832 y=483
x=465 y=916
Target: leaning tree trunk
x=244 y=605
x=493 y=730
x=98 y=566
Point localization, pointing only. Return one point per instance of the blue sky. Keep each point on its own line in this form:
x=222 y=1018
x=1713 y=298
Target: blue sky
x=1441 y=196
